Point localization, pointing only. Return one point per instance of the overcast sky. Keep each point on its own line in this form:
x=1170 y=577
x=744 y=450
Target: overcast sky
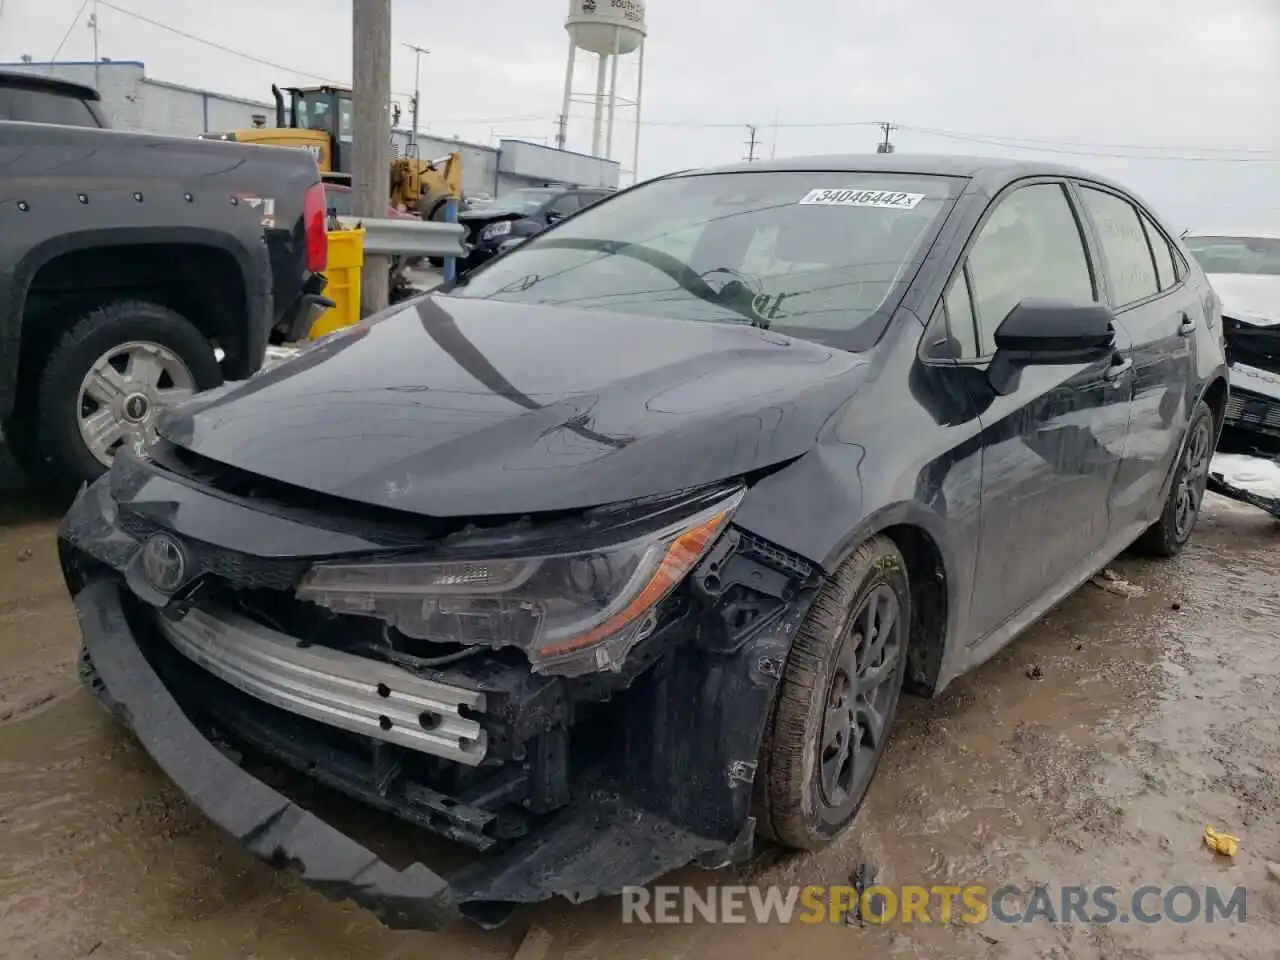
x=1095 y=83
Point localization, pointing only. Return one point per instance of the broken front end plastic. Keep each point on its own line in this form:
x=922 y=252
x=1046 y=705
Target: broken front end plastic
x=574 y=705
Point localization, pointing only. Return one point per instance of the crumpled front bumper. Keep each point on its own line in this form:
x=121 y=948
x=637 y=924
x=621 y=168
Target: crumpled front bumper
x=627 y=826
x=269 y=825
x=591 y=849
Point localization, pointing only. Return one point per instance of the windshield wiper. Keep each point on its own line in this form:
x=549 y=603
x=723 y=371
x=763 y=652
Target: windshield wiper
x=680 y=272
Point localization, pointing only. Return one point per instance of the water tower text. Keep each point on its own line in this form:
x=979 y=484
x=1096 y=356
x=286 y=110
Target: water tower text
x=630 y=9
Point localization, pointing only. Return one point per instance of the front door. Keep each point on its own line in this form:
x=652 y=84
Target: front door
x=1160 y=313
x=1052 y=447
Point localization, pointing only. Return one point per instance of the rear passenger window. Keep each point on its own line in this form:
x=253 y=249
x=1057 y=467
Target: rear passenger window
x=1130 y=267
x=1030 y=246
x=1166 y=271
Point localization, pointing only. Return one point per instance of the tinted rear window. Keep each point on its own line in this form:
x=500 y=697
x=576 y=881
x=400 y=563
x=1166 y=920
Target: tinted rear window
x=43 y=106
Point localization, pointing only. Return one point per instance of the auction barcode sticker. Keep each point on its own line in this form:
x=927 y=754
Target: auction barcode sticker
x=863 y=198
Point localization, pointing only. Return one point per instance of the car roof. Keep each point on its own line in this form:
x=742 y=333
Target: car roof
x=37 y=81
x=989 y=171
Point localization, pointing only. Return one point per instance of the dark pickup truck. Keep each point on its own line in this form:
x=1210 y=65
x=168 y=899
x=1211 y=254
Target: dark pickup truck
x=136 y=270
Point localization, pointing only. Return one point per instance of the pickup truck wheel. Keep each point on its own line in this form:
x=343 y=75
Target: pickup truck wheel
x=1168 y=535
x=837 y=699
x=108 y=379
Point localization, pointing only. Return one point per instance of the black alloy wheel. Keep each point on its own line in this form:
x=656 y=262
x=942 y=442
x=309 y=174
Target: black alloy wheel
x=836 y=700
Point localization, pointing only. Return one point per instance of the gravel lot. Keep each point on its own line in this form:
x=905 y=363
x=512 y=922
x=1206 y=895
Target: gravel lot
x=1093 y=751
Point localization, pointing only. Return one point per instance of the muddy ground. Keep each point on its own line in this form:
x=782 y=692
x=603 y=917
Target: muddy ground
x=1093 y=751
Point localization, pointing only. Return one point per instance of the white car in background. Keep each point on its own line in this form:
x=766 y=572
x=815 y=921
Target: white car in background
x=1244 y=268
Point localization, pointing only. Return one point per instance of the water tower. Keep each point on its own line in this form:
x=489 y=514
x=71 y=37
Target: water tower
x=610 y=29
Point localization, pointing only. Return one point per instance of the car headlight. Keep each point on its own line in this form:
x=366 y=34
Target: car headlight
x=499 y=229
x=571 y=612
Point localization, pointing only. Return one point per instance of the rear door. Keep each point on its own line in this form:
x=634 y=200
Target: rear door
x=1052 y=447
x=1159 y=311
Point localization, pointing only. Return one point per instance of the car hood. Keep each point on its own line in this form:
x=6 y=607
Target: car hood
x=1249 y=297
x=454 y=407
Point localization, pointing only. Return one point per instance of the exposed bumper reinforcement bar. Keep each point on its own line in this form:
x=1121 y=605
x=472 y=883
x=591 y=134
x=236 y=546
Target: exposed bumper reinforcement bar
x=336 y=688
x=596 y=846
x=269 y=824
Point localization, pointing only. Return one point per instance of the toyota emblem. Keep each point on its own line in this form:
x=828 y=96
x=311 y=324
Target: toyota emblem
x=164 y=563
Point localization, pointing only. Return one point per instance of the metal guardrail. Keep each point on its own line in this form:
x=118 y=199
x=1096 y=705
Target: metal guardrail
x=409 y=238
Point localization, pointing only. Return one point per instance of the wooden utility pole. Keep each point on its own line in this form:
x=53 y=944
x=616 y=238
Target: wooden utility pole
x=371 y=151
x=417 y=93
x=886 y=146
x=752 y=143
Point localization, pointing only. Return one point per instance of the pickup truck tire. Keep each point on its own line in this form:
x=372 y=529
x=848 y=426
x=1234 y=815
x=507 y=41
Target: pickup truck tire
x=24 y=445
x=836 y=701
x=158 y=357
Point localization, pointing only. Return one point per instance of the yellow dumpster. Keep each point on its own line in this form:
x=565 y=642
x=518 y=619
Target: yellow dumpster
x=346 y=258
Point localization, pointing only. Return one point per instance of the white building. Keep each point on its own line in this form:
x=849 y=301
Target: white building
x=133 y=101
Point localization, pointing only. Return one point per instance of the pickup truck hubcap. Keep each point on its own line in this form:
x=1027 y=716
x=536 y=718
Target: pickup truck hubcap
x=124 y=392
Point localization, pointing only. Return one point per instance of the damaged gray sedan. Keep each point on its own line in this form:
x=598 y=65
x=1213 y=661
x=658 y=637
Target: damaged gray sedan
x=619 y=551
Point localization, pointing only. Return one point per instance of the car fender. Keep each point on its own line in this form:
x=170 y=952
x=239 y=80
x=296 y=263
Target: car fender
x=253 y=265
x=847 y=502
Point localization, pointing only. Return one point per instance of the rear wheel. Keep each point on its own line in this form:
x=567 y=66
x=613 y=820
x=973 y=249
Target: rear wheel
x=1168 y=535
x=837 y=700
x=108 y=379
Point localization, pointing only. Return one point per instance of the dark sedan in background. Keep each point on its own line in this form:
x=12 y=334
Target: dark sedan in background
x=619 y=551
x=518 y=215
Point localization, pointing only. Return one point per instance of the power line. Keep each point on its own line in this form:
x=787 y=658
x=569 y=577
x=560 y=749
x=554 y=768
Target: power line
x=71 y=26
x=1102 y=146
x=1228 y=154
x=218 y=46
x=1009 y=144
x=284 y=68
x=1225 y=154
x=1170 y=153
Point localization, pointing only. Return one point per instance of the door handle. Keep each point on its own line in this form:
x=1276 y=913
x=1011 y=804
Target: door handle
x=1186 y=326
x=1118 y=369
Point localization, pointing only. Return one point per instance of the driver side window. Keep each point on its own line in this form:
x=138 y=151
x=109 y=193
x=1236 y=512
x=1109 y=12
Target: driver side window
x=1030 y=246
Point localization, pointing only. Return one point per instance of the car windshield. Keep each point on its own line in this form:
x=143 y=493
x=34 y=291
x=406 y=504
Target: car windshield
x=813 y=255
x=520 y=201
x=1256 y=255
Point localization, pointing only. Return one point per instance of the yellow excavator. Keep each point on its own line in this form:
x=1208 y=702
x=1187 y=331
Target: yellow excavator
x=320 y=119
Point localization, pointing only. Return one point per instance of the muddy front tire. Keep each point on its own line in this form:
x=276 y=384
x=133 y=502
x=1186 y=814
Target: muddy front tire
x=836 y=701
x=1168 y=535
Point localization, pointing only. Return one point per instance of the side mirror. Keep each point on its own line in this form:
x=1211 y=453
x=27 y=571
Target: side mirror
x=554 y=217
x=1046 y=332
